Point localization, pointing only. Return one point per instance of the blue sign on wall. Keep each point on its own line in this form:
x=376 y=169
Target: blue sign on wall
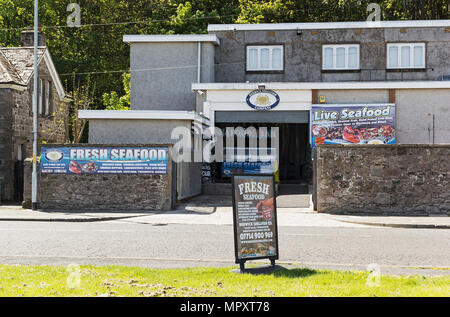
x=104 y=160
x=353 y=124
x=230 y=168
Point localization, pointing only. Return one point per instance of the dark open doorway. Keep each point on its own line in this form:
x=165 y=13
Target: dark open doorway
x=18 y=181
x=295 y=158
x=294 y=152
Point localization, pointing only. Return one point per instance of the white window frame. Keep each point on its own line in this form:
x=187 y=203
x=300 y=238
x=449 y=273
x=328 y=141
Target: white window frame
x=259 y=48
x=40 y=96
x=335 y=47
x=47 y=98
x=411 y=55
x=19 y=152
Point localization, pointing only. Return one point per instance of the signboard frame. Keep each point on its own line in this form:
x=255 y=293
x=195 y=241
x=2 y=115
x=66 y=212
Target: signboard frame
x=356 y=122
x=263 y=107
x=103 y=156
x=272 y=258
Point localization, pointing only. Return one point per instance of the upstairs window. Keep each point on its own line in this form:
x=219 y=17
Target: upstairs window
x=340 y=57
x=405 y=55
x=47 y=100
x=265 y=58
x=45 y=103
x=40 y=96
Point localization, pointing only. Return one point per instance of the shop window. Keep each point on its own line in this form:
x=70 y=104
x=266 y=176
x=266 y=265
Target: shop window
x=405 y=55
x=265 y=58
x=340 y=57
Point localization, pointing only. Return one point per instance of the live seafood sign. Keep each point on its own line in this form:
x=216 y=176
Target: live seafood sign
x=353 y=124
x=104 y=160
x=254 y=217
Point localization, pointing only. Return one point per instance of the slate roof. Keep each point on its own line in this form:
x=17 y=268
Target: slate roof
x=16 y=64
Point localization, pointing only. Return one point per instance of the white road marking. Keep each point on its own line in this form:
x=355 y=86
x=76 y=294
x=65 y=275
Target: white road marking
x=285 y=262
x=208 y=232
x=66 y=230
x=307 y=235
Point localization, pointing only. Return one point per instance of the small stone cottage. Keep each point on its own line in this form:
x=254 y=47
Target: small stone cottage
x=16 y=116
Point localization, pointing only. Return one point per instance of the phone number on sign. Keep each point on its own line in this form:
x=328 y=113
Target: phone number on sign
x=256 y=235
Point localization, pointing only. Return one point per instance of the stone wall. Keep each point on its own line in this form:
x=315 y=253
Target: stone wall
x=383 y=179
x=126 y=192
x=16 y=126
x=6 y=165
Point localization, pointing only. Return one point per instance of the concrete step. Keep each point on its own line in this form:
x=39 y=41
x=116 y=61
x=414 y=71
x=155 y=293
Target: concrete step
x=225 y=189
x=216 y=189
x=293 y=189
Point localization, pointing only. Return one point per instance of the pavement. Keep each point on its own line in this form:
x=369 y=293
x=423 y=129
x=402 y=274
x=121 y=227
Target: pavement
x=217 y=211
x=430 y=222
x=17 y=213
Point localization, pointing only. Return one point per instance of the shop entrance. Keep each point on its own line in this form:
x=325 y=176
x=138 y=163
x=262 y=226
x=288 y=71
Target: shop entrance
x=295 y=157
x=294 y=162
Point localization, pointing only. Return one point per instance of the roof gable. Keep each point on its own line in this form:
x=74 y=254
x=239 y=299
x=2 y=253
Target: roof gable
x=22 y=61
x=17 y=66
x=8 y=73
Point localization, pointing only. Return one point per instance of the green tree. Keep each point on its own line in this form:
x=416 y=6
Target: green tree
x=112 y=101
x=97 y=48
x=82 y=99
x=277 y=11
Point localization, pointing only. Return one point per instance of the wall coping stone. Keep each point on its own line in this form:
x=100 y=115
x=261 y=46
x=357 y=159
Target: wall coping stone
x=384 y=145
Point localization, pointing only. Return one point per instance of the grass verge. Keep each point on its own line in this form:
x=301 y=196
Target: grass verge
x=16 y=280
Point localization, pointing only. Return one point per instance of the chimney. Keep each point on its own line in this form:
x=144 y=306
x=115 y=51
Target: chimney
x=27 y=38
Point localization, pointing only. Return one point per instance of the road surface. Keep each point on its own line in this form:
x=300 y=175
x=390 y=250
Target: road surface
x=165 y=245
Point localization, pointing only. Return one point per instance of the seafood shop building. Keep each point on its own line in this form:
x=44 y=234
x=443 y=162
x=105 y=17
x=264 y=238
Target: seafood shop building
x=355 y=82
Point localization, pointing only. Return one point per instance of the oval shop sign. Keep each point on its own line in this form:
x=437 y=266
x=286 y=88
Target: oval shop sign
x=263 y=99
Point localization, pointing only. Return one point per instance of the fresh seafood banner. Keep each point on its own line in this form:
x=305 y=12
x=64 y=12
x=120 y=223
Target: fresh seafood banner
x=353 y=124
x=230 y=168
x=255 y=221
x=105 y=160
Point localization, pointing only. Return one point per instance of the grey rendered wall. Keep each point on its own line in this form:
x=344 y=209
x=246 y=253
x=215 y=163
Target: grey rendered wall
x=437 y=51
x=207 y=68
x=162 y=74
x=303 y=54
x=413 y=123
x=149 y=132
x=355 y=96
x=133 y=131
